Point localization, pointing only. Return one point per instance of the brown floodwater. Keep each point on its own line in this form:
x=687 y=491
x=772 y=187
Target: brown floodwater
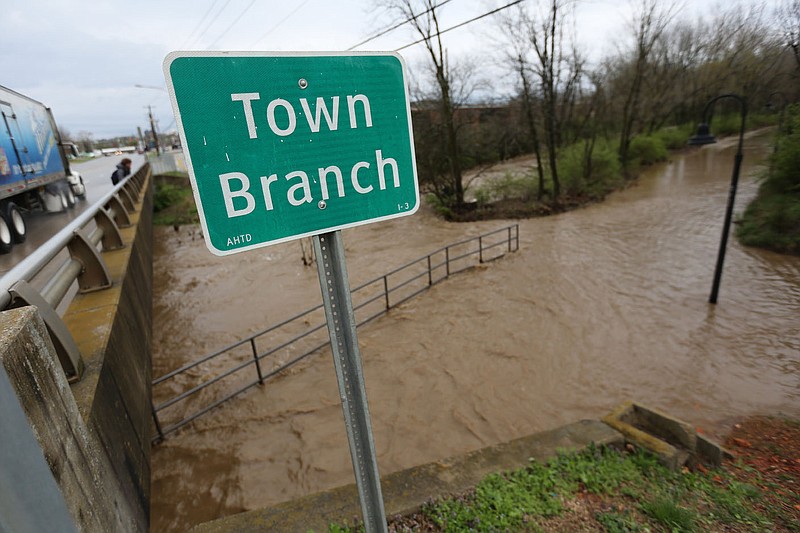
x=600 y=305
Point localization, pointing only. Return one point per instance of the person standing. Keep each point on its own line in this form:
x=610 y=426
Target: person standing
x=123 y=169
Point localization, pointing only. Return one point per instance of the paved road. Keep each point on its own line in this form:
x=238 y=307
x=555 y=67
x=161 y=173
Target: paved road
x=41 y=226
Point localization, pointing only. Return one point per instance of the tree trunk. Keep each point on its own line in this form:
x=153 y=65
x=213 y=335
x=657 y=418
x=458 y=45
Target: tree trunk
x=528 y=105
x=452 y=141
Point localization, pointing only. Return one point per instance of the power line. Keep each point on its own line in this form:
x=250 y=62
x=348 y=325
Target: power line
x=245 y=10
x=277 y=24
x=189 y=38
x=210 y=22
x=492 y=12
x=392 y=28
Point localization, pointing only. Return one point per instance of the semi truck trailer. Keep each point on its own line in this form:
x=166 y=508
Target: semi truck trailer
x=34 y=169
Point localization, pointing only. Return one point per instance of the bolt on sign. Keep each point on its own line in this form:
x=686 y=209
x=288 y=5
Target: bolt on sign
x=283 y=146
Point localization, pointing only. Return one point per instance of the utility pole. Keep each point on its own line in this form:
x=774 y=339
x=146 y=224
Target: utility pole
x=142 y=144
x=153 y=129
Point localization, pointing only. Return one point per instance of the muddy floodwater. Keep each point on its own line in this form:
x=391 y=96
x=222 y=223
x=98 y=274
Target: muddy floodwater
x=600 y=305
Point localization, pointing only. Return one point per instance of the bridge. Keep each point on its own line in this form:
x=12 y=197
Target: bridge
x=76 y=390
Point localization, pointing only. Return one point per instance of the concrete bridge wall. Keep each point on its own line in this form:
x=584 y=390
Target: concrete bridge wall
x=94 y=434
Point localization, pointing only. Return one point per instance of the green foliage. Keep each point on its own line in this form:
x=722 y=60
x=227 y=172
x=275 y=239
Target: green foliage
x=506 y=501
x=647 y=495
x=667 y=512
x=646 y=150
x=601 y=470
x=762 y=120
x=166 y=195
x=173 y=203
x=619 y=522
x=589 y=171
x=731 y=123
x=772 y=220
x=510 y=186
x=439 y=206
x=501 y=502
x=674 y=137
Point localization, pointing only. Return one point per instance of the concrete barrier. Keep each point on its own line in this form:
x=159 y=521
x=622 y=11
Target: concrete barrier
x=95 y=434
x=407 y=490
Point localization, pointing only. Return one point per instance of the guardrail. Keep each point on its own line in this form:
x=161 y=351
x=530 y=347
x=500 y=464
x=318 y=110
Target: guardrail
x=292 y=340
x=77 y=247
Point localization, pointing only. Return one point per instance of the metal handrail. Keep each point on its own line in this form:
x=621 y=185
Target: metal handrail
x=29 y=267
x=428 y=266
x=85 y=265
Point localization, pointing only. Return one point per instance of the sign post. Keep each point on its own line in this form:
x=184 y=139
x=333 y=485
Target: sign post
x=347 y=360
x=285 y=146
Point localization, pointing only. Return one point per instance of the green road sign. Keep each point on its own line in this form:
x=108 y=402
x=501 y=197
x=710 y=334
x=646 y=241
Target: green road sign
x=283 y=146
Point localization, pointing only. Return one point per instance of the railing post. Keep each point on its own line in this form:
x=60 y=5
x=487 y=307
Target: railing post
x=516 y=227
x=509 y=238
x=480 y=249
x=447 y=260
x=430 y=274
x=386 y=291
x=158 y=424
x=258 y=364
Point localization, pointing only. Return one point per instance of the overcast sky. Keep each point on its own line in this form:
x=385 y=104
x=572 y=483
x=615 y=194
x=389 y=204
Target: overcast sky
x=84 y=59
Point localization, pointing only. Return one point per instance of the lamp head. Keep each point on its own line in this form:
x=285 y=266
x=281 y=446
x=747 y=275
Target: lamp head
x=703 y=136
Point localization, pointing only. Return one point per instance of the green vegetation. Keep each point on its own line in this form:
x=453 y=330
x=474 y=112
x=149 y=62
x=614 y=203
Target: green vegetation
x=772 y=220
x=589 y=170
x=613 y=490
x=173 y=203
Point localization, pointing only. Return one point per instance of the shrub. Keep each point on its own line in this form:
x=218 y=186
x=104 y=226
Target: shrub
x=173 y=204
x=593 y=177
x=772 y=220
x=166 y=195
x=510 y=186
x=647 y=150
x=675 y=137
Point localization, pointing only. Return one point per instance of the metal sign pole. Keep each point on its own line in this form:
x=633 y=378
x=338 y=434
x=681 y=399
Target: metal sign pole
x=347 y=360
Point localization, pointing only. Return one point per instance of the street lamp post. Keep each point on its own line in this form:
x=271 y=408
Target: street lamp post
x=702 y=137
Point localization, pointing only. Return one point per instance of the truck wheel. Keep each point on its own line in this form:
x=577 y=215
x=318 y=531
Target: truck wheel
x=5 y=236
x=70 y=197
x=19 y=230
x=63 y=196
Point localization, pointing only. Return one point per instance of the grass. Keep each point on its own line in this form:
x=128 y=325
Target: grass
x=772 y=219
x=598 y=489
x=173 y=203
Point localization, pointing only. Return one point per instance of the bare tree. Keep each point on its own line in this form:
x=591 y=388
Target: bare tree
x=517 y=52
x=649 y=24
x=789 y=14
x=423 y=16
x=557 y=69
x=546 y=35
x=86 y=141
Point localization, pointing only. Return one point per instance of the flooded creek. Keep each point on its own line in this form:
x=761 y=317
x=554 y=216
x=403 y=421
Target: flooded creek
x=599 y=305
